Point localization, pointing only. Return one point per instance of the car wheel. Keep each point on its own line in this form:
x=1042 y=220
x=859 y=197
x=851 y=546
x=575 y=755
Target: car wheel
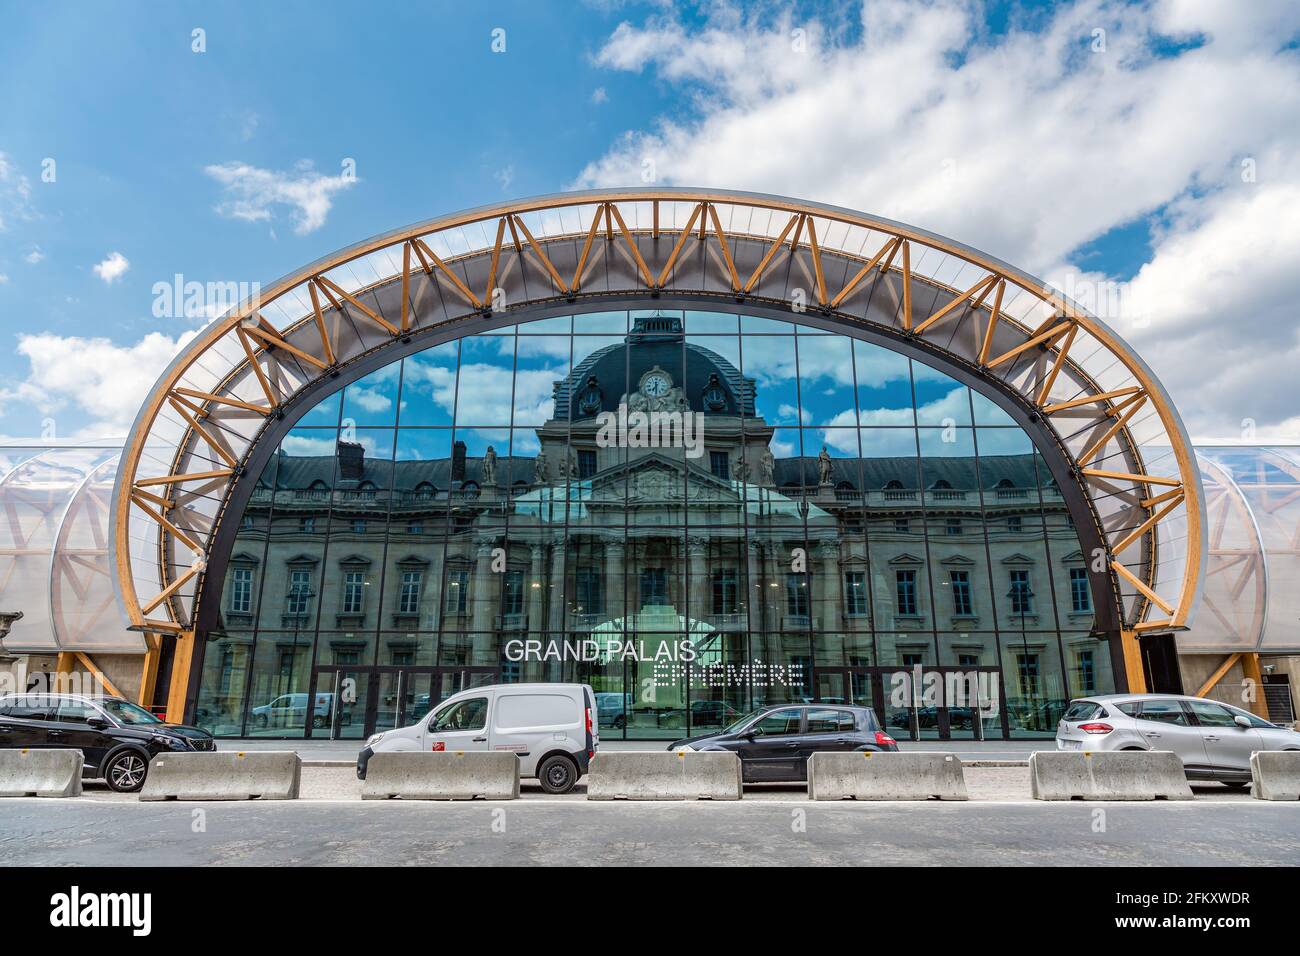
x=125 y=772
x=318 y=721
x=557 y=774
x=260 y=721
x=620 y=722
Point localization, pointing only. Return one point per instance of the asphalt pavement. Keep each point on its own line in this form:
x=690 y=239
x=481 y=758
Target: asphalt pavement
x=545 y=832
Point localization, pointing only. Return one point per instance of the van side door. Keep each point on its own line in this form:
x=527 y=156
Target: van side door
x=530 y=723
x=460 y=724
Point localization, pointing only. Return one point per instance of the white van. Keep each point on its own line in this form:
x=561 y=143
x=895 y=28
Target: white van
x=552 y=727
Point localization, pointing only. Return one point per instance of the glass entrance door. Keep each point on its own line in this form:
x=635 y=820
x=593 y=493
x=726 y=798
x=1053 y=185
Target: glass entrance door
x=921 y=703
x=351 y=703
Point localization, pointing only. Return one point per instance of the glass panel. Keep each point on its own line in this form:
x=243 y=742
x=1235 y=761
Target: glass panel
x=815 y=532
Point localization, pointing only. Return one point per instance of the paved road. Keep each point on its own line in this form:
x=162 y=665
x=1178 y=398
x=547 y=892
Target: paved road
x=309 y=832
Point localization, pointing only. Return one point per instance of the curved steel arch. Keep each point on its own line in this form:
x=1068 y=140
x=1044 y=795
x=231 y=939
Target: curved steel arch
x=1108 y=411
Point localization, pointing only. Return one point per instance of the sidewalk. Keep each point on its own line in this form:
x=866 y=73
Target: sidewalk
x=995 y=751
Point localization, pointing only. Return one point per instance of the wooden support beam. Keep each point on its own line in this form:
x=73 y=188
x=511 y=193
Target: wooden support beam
x=677 y=246
x=994 y=315
x=149 y=670
x=767 y=256
x=978 y=288
x=1063 y=350
x=1090 y=399
x=907 y=286
x=330 y=288
x=220 y=400
x=1141 y=587
x=1147 y=525
x=1218 y=674
x=586 y=248
x=1134 y=403
x=176 y=479
x=178 y=690
x=1153 y=626
x=162 y=520
x=1042 y=338
x=422 y=250
x=169 y=590
x=1250 y=667
x=631 y=245
x=726 y=248
x=541 y=254
x=98 y=674
x=1134 y=672
x=1129 y=476
x=212 y=443
x=889 y=246
x=496 y=262
x=325 y=345
x=275 y=340
x=405 y=322
x=166 y=504
x=271 y=398
x=817 y=262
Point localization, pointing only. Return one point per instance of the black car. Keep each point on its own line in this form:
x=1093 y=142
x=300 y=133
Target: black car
x=116 y=737
x=774 y=743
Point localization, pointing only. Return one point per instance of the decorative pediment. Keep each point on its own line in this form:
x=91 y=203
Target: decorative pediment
x=957 y=561
x=1018 y=558
x=906 y=560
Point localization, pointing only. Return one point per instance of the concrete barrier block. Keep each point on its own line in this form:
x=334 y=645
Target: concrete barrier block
x=451 y=775
x=224 y=775
x=664 y=775
x=1119 y=775
x=914 y=775
x=40 y=773
x=1275 y=774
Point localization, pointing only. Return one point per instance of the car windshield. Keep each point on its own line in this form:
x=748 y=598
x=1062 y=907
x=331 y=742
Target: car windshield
x=732 y=728
x=128 y=713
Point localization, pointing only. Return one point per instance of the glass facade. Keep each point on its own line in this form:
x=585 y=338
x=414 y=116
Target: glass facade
x=696 y=513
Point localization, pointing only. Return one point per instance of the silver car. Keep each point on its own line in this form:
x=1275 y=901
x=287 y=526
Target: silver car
x=1214 y=740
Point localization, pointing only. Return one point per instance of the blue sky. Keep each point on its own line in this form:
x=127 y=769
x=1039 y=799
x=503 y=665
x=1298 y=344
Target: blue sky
x=999 y=124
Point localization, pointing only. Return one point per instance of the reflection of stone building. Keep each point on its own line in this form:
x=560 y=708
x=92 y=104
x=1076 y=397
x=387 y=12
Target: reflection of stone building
x=800 y=562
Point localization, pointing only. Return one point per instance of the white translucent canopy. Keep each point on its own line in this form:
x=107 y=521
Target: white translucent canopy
x=54 y=549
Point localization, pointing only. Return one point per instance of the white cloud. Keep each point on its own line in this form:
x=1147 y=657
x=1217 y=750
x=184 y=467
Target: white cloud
x=1026 y=145
x=34 y=256
x=598 y=96
x=100 y=380
x=112 y=268
x=253 y=193
x=3 y=278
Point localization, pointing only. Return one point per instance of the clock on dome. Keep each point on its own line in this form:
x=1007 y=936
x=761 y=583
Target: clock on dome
x=656 y=383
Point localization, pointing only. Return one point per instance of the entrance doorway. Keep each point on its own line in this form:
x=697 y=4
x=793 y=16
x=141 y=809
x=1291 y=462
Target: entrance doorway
x=351 y=703
x=921 y=703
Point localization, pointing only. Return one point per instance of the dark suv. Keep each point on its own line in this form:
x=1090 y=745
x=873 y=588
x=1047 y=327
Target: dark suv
x=774 y=743
x=116 y=737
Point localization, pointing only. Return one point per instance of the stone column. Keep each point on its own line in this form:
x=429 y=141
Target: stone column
x=485 y=597
x=831 y=605
x=536 y=586
x=613 y=580
x=698 y=605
